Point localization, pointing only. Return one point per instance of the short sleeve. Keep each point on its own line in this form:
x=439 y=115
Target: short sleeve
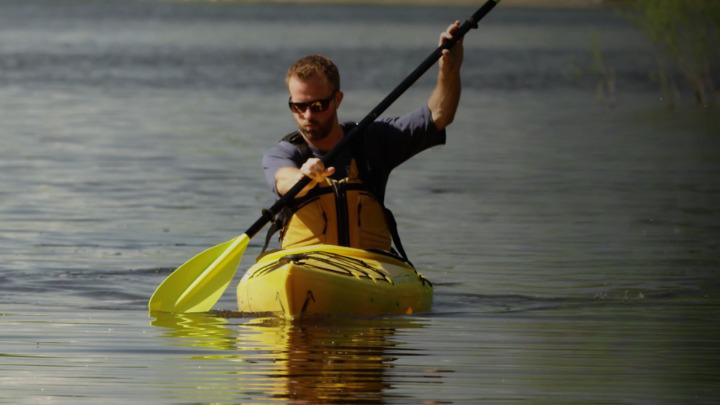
x=283 y=154
x=398 y=139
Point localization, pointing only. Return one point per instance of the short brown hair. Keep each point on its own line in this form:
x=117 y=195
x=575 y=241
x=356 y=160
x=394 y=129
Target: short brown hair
x=311 y=65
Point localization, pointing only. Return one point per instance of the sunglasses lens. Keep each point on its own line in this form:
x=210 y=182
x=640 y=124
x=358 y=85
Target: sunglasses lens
x=319 y=106
x=316 y=106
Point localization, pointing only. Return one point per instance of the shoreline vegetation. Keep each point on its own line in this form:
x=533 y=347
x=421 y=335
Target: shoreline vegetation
x=682 y=33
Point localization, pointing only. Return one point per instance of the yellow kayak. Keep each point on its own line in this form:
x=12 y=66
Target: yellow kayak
x=333 y=280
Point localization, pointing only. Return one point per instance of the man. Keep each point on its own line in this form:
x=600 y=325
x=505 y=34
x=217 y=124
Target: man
x=343 y=203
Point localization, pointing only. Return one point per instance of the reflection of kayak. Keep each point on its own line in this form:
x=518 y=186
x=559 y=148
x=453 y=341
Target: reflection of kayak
x=333 y=280
x=348 y=360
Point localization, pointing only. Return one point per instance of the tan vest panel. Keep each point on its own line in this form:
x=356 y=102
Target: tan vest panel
x=316 y=220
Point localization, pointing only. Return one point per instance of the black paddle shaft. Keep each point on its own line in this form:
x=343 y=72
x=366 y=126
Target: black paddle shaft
x=269 y=214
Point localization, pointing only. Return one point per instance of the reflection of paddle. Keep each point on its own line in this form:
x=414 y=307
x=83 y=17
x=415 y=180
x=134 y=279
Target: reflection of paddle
x=198 y=284
x=202 y=330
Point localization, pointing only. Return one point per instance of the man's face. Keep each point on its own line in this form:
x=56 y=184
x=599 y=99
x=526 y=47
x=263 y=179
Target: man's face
x=314 y=125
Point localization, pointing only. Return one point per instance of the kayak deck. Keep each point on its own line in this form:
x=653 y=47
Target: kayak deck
x=333 y=280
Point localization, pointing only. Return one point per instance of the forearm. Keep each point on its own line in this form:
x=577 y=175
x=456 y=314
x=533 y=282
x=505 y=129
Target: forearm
x=445 y=98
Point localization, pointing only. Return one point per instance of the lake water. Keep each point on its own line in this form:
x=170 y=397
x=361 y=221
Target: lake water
x=573 y=240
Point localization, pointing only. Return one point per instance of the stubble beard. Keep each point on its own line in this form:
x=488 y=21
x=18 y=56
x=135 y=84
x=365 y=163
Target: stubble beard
x=320 y=132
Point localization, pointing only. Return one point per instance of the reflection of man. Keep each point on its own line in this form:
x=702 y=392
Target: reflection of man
x=343 y=204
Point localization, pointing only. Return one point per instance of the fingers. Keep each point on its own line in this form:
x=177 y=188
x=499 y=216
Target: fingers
x=448 y=33
x=451 y=58
x=315 y=170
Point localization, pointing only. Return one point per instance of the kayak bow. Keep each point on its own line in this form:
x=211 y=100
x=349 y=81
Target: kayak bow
x=324 y=280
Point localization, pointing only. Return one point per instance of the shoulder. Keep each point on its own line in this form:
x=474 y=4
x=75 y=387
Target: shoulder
x=282 y=150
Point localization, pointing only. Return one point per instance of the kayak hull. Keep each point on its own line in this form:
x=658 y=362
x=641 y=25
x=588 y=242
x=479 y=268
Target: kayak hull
x=327 y=280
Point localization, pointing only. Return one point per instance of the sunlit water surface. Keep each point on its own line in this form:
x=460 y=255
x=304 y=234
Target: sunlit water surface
x=572 y=240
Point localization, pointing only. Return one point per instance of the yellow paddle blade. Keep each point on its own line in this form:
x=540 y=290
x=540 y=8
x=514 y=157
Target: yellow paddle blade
x=199 y=283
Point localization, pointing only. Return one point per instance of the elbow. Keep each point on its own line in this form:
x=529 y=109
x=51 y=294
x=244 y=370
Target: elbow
x=441 y=120
x=443 y=106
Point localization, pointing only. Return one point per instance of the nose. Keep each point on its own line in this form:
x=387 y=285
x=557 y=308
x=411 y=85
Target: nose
x=307 y=114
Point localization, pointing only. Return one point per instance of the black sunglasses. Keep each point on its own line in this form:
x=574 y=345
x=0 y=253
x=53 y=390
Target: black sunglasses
x=316 y=106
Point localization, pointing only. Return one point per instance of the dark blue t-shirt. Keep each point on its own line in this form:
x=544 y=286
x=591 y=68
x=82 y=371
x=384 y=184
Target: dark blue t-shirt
x=387 y=143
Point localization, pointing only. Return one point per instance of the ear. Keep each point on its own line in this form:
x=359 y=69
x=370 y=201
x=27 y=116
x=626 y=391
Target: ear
x=338 y=97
